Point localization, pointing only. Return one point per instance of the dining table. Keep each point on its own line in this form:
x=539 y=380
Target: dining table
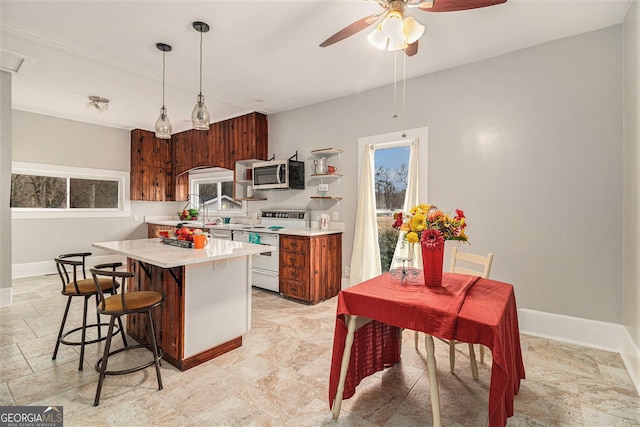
x=371 y=315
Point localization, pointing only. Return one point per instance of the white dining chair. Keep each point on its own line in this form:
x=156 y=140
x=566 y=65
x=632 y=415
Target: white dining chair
x=475 y=265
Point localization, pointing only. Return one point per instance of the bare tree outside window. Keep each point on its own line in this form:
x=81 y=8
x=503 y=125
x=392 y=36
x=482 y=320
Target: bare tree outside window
x=33 y=191
x=93 y=194
x=50 y=192
x=391 y=175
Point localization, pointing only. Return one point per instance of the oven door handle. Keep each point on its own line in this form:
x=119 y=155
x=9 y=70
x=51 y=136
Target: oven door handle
x=265 y=272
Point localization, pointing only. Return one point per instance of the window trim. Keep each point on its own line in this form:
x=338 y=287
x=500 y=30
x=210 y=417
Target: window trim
x=60 y=171
x=218 y=175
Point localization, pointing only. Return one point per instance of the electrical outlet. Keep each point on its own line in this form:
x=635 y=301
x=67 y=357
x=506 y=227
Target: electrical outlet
x=347 y=271
x=336 y=216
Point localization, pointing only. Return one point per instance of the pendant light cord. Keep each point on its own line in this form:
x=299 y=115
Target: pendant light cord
x=164 y=54
x=201 y=63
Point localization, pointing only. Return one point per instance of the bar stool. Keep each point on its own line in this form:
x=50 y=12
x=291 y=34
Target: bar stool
x=127 y=302
x=73 y=286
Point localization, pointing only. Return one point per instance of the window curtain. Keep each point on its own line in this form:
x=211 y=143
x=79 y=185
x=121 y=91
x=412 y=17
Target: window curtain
x=411 y=198
x=365 y=260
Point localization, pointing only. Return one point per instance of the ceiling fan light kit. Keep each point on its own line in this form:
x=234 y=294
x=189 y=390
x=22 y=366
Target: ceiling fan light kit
x=99 y=103
x=200 y=116
x=394 y=31
x=163 y=124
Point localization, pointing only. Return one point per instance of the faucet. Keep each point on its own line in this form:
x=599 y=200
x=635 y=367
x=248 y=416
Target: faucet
x=202 y=207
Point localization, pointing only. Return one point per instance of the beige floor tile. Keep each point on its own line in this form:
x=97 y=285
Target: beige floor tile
x=279 y=377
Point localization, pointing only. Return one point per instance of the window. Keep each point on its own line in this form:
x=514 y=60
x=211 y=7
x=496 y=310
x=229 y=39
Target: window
x=214 y=188
x=51 y=191
x=390 y=181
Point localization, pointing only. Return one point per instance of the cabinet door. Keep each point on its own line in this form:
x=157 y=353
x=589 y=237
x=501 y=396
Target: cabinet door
x=151 y=167
x=325 y=267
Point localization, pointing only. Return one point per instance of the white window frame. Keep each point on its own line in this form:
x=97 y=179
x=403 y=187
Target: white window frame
x=209 y=177
x=121 y=177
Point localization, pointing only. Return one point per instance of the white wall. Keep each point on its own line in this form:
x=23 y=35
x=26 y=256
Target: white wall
x=631 y=289
x=44 y=139
x=528 y=144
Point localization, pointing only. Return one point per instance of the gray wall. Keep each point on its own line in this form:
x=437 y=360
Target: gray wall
x=631 y=290
x=44 y=139
x=528 y=144
x=5 y=188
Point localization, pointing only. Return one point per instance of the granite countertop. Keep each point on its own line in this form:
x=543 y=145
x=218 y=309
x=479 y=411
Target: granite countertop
x=153 y=251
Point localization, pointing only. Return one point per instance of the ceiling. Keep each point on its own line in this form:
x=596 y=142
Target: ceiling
x=260 y=55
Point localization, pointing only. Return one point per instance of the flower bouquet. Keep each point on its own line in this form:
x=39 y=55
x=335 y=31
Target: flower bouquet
x=431 y=227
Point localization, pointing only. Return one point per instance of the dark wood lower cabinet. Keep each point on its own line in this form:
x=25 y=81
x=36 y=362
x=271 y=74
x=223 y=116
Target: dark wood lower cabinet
x=168 y=317
x=310 y=267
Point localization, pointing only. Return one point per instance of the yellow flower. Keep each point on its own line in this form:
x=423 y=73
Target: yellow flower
x=417 y=222
x=412 y=237
x=405 y=227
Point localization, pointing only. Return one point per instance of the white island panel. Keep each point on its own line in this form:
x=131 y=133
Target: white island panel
x=217 y=303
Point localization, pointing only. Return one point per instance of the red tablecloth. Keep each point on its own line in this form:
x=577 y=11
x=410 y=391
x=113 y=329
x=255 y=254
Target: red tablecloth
x=466 y=308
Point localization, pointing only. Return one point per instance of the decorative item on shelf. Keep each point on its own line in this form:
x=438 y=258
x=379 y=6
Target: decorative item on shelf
x=431 y=227
x=200 y=116
x=248 y=174
x=332 y=169
x=250 y=191
x=320 y=166
x=323 y=189
x=163 y=124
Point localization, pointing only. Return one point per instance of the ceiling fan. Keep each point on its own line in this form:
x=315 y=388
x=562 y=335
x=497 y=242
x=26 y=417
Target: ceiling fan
x=394 y=30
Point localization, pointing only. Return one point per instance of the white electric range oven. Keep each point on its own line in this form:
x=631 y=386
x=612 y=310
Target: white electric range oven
x=265 y=267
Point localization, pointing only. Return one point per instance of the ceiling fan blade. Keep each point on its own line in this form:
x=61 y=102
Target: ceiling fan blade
x=352 y=29
x=453 y=5
x=411 y=49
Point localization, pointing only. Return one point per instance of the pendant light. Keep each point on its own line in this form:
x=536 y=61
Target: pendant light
x=163 y=125
x=200 y=115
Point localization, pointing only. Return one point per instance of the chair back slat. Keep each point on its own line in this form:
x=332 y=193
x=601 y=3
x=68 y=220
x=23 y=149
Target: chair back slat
x=478 y=265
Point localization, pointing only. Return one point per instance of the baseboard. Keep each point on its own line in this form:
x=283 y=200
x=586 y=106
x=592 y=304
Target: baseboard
x=585 y=332
x=43 y=268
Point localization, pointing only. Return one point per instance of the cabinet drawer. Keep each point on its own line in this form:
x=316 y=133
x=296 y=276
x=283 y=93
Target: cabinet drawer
x=294 y=288
x=295 y=245
x=293 y=259
x=297 y=274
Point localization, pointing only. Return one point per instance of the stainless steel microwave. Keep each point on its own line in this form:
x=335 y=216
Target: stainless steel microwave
x=278 y=174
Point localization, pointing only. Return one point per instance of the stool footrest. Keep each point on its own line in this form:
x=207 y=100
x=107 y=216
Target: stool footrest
x=94 y=325
x=135 y=368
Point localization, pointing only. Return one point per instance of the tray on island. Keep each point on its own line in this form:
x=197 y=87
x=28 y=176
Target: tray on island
x=178 y=243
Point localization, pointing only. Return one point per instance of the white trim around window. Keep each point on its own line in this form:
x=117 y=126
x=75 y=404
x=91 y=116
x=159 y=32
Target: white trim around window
x=121 y=177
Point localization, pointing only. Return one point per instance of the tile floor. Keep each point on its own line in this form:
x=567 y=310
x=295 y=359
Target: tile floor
x=279 y=377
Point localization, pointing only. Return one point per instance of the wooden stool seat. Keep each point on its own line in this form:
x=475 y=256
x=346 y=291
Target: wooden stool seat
x=85 y=287
x=117 y=305
x=134 y=302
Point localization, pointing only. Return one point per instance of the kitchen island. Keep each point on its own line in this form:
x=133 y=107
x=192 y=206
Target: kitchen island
x=207 y=295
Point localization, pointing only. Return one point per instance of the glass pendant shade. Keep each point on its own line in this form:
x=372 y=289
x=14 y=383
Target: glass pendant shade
x=163 y=125
x=200 y=115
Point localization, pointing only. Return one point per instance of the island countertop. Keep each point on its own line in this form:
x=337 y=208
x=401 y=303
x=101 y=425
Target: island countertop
x=153 y=251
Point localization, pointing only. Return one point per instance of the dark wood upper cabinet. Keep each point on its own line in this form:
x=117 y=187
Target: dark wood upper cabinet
x=159 y=166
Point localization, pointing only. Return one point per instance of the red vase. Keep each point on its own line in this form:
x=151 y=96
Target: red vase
x=432 y=261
